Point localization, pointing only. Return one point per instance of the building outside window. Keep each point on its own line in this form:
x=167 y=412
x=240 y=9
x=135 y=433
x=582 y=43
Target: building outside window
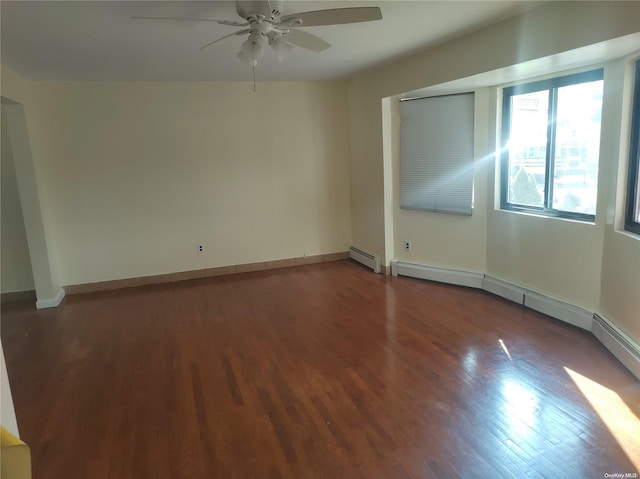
x=551 y=144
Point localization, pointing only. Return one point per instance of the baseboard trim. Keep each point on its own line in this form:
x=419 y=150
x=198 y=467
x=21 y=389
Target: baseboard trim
x=441 y=275
x=561 y=310
x=18 y=296
x=621 y=345
x=504 y=289
x=365 y=259
x=51 y=302
x=203 y=273
x=625 y=349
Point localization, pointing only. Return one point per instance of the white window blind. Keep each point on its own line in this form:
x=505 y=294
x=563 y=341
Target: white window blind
x=436 y=154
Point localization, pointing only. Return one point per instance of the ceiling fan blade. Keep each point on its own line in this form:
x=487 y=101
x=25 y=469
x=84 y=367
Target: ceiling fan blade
x=306 y=40
x=221 y=22
x=336 y=16
x=240 y=10
x=241 y=32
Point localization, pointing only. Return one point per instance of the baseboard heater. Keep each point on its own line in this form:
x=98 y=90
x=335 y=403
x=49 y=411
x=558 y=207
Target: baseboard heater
x=365 y=259
x=550 y=306
x=622 y=346
x=442 y=275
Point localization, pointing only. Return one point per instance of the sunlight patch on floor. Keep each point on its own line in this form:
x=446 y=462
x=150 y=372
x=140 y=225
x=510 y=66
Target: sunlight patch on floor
x=521 y=407
x=616 y=415
x=504 y=348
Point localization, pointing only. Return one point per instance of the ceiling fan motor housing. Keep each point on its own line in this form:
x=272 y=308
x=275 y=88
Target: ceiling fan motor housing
x=271 y=9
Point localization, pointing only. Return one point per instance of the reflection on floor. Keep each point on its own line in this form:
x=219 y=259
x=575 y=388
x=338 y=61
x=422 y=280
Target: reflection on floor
x=317 y=371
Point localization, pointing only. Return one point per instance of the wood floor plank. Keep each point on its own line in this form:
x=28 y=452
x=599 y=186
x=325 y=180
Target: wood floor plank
x=324 y=370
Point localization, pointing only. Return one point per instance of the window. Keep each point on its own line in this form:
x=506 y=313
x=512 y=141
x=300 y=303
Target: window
x=632 y=218
x=436 y=154
x=551 y=138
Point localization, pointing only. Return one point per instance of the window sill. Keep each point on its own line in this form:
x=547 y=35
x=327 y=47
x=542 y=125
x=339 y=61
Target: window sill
x=629 y=234
x=547 y=217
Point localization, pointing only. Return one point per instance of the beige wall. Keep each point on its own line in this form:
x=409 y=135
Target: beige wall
x=572 y=261
x=139 y=173
x=445 y=240
x=620 y=274
x=15 y=274
x=18 y=114
x=14 y=87
x=620 y=295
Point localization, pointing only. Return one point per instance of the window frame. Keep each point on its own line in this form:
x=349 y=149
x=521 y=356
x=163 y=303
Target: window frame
x=633 y=186
x=551 y=85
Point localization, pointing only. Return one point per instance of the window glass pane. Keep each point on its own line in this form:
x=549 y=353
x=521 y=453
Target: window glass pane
x=636 y=216
x=527 y=148
x=577 y=147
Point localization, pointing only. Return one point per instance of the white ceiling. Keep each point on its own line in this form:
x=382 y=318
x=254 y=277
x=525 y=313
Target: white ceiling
x=97 y=40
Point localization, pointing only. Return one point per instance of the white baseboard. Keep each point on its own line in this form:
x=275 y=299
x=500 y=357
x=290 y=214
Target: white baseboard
x=542 y=303
x=442 y=275
x=51 y=302
x=539 y=302
x=561 y=310
x=502 y=288
x=365 y=259
x=621 y=345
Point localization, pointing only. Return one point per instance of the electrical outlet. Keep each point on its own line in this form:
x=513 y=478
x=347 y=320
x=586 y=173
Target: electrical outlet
x=200 y=248
x=407 y=245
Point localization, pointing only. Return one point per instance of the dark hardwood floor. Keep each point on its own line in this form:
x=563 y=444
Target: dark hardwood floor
x=317 y=371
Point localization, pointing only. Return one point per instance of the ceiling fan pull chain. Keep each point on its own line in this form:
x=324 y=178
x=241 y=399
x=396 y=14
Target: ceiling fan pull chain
x=253 y=68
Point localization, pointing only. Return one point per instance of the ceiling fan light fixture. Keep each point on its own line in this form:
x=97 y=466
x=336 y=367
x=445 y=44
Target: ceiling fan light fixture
x=252 y=49
x=281 y=47
x=244 y=57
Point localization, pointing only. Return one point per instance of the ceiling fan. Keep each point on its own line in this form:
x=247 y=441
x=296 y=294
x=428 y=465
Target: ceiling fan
x=264 y=21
